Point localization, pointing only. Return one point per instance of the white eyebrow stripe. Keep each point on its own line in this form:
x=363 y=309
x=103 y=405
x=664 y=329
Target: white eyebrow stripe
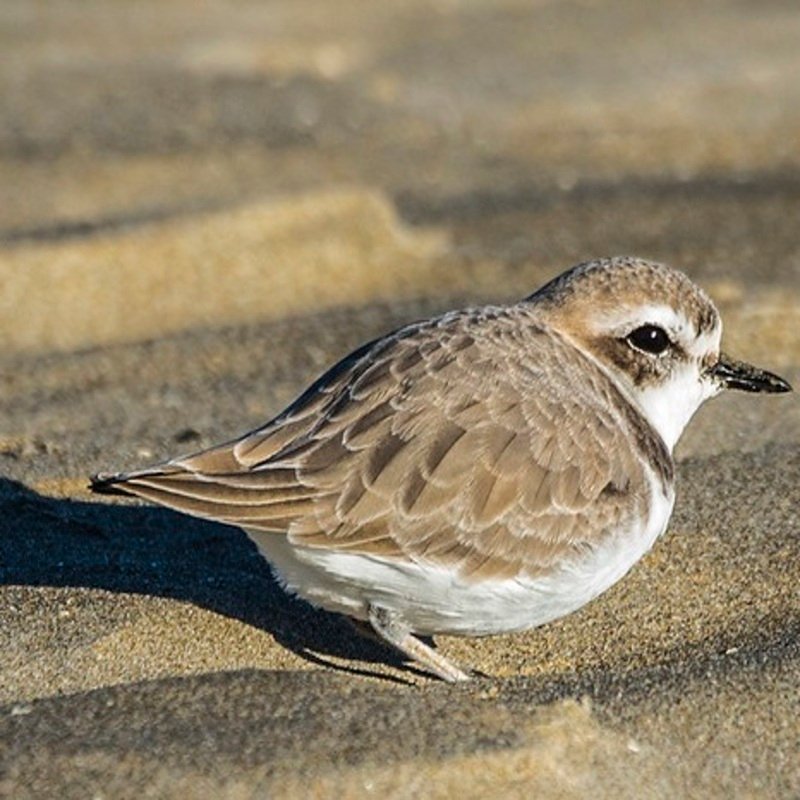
x=626 y=319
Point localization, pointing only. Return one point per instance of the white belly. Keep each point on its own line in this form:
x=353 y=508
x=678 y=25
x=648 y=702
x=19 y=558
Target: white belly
x=431 y=599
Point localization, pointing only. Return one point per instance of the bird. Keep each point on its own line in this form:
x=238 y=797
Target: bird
x=484 y=471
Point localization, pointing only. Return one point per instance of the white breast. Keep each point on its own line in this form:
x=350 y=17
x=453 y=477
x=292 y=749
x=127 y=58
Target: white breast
x=432 y=599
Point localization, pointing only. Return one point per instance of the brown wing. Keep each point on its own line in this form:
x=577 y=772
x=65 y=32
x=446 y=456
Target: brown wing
x=479 y=439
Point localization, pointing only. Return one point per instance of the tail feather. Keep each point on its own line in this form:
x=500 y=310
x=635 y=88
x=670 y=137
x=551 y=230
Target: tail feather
x=119 y=483
x=264 y=504
x=217 y=490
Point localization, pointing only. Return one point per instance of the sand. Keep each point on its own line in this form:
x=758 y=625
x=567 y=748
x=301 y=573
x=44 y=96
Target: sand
x=201 y=210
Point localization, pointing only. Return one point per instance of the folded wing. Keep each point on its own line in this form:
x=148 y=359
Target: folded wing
x=497 y=448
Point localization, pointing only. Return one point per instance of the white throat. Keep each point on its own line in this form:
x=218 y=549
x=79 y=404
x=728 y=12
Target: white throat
x=670 y=406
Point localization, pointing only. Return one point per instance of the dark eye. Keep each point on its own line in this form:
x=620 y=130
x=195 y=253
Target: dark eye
x=650 y=339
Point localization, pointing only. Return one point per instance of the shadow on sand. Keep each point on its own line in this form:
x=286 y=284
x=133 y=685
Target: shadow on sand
x=153 y=551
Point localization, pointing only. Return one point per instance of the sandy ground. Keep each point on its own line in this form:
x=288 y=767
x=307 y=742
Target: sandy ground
x=201 y=210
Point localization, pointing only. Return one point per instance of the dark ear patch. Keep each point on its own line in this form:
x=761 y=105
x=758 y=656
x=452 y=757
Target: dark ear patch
x=641 y=367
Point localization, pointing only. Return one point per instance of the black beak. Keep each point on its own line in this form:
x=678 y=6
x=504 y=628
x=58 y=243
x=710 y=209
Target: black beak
x=738 y=375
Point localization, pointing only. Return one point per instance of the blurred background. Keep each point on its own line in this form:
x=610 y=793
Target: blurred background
x=168 y=165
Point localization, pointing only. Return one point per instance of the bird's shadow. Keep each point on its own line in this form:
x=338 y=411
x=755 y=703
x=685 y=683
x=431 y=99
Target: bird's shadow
x=153 y=551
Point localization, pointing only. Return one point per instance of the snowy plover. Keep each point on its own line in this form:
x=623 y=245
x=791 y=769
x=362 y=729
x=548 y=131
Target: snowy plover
x=485 y=471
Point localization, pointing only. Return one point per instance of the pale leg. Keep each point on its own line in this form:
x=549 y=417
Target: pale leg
x=391 y=630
